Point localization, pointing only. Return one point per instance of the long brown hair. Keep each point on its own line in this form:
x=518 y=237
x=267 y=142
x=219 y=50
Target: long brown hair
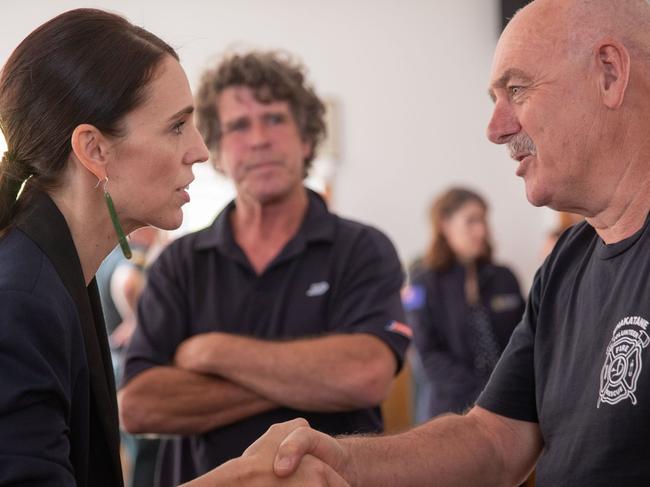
x=439 y=255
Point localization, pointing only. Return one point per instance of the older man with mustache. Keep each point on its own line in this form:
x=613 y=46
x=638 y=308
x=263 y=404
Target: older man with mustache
x=571 y=84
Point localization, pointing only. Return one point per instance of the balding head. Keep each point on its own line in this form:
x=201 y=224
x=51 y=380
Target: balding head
x=570 y=81
x=580 y=24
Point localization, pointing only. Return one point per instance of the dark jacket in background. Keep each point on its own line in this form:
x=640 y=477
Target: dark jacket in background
x=438 y=313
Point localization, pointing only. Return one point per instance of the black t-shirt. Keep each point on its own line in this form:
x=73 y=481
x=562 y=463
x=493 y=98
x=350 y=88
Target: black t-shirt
x=576 y=362
x=334 y=276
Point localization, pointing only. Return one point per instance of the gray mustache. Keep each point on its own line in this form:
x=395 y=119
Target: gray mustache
x=521 y=143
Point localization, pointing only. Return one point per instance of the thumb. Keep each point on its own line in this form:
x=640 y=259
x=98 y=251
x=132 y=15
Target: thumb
x=303 y=441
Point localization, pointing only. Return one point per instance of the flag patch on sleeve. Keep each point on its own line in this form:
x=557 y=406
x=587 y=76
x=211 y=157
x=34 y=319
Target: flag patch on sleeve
x=401 y=328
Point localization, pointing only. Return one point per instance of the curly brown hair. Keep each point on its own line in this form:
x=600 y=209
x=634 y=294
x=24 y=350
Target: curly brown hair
x=273 y=76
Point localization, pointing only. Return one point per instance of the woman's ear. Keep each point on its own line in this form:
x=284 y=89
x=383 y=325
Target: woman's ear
x=90 y=147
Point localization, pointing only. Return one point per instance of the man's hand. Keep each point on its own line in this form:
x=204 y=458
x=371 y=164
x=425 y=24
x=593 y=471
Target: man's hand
x=194 y=353
x=302 y=442
x=267 y=445
x=121 y=336
x=255 y=467
x=308 y=470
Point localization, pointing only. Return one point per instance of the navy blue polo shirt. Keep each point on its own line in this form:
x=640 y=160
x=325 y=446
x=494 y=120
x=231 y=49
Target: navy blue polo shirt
x=334 y=276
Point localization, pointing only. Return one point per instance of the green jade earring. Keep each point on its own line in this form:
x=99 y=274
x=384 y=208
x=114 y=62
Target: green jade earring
x=124 y=244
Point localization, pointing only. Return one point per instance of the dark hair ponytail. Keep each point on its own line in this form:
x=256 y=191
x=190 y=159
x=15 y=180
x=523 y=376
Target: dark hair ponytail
x=12 y=176
x=83 y=66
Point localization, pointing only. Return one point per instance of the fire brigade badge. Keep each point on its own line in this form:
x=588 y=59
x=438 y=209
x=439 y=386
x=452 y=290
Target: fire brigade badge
x=623 y=362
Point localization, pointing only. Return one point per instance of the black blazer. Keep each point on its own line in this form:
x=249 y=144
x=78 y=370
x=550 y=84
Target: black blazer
x=58 y=409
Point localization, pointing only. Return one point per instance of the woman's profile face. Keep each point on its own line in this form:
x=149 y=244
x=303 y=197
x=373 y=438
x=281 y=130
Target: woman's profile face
x=466 y=231
x=151 y=166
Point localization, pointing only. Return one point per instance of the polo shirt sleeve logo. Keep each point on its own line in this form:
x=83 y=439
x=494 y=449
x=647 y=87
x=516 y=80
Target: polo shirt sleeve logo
x=318 y=289
x=623 y=364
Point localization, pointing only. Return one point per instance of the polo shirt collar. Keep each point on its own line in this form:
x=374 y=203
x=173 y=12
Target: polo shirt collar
x=318 y=225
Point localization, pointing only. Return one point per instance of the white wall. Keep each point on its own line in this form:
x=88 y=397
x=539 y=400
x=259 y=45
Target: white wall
x=410 y=77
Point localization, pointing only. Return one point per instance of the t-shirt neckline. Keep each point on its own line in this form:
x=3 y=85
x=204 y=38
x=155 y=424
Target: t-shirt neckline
x=605 y=251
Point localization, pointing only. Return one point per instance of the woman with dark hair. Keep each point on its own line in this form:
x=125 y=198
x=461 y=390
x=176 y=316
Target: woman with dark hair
x=97 y=116
x=462 y=307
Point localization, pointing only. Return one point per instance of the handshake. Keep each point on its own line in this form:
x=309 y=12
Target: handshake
x=288 y=454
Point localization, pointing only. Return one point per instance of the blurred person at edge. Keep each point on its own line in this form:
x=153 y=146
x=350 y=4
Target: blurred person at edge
x=462 y=307
x=120 y=282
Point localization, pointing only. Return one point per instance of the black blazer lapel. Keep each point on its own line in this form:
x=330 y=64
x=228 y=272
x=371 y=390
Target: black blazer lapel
x=44 y=224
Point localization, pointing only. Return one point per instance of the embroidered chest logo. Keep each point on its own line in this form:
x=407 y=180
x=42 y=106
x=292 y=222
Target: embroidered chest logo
x=623 y=363
x=317 y=289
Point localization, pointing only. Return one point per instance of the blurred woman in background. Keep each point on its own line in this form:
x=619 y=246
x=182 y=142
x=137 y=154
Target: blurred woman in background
x=462 y=307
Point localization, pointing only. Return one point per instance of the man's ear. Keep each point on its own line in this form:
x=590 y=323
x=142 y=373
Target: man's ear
x=90 y=147
x=307 y=148
x=613 y=64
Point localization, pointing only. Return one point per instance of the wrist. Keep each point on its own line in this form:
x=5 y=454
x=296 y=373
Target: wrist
x=348 y=466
